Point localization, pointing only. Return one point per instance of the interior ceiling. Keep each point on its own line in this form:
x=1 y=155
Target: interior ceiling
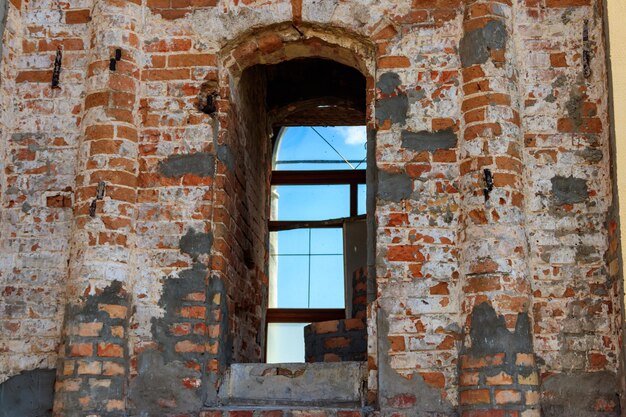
x=314 y=92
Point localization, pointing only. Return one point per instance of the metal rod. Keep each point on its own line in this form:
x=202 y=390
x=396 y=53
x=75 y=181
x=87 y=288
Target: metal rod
x=278 y=225
x=334 y=149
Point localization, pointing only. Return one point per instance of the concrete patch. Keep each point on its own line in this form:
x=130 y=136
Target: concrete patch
x=196 y=243
x=574 y=105
x=399 y=395
x=328 y=384
x=493 y=351
x=225 y=340
x=591 y=154
x=429 y=141
x=394 y=187
x=90 y=311
x=476 y=45
x=388 y=82
x=158 y=389
x=580 y=394
x=4 y=8
x=587 y=254
x=372 y=224
x=560 y=81
x=201 y=164
x=569 y=190
x=29 y=394
x=392 y=108
x=96 y=308
x=174 y=292
x=225 y=155
x=489 y=334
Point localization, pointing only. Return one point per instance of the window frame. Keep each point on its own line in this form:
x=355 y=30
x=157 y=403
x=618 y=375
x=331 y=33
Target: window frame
x=353 y=178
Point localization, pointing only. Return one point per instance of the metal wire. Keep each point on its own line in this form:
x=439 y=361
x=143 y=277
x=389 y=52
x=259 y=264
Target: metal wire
x=333 y=148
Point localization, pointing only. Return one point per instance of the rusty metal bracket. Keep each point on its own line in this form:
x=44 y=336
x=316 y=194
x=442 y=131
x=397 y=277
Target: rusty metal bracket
x=99 y=196
x=586 y=50
x=488 y=183
x=56 y=71
x=113 y=61
x=100 y=190
x=92 y=208
x=209 y=106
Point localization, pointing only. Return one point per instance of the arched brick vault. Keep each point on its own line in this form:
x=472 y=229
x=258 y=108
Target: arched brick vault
x=284 y=42
x=426 y=99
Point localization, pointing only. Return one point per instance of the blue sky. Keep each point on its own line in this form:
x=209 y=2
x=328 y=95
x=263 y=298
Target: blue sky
x=300 y=143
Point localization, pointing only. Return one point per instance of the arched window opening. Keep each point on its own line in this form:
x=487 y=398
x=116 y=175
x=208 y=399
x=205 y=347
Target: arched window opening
x=303 y=196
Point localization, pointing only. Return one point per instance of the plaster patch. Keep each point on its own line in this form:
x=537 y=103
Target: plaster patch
x=196 y=243
x=201 y=164
x=476 y=45
x=411 y=397
x=569 y=190
x=392 y=108
x=29 y=394
x=394 y=187
x=388 y=82
x=580 y=394
x=429 y=141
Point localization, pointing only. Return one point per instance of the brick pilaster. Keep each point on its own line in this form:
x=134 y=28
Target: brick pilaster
x=496 y=286
x=93 y=359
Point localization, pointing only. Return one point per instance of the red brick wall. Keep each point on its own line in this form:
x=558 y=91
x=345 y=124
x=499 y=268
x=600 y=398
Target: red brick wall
x=185 y=235
x=336 y=341
x=39 y=139
x=245 y=214
x=341 y=340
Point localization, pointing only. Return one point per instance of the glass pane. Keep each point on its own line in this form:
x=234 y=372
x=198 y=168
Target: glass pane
x=293 y=281
x=290 y=242
x=327 y=241
x=310 y=202
x=321 y=148
x=285 y=342
x=327 y=289
x=362 y=199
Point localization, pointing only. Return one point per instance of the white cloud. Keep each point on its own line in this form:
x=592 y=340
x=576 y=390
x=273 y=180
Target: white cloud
x=353 y=135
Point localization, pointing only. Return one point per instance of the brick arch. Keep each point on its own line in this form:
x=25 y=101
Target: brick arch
x=304 y=111
x=283 y=41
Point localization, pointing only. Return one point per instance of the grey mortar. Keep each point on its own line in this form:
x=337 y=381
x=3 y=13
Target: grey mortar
x=569 y=190
x=394 y=187
x=429 y=141
x=201 y=164
x=29 y=394
x=476 y=45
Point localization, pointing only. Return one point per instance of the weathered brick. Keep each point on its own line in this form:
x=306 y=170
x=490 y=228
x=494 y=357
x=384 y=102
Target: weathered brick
x=110 y=350
x=508 y=396
x=475 y=396
x=81 y=349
